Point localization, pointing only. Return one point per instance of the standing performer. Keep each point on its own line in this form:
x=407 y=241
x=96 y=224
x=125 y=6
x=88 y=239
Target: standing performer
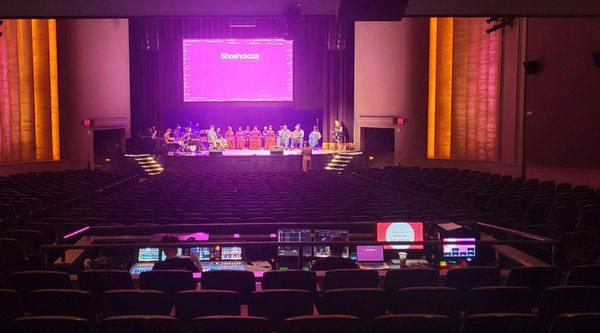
x=339 y=135
x=297 y=137
x=230 y=137
x=239 y=138
x=211 y=136
x=306 y=157
x=263 y=137
x=255 y=138
x=270 y=138
x=247 y=137
x=314 y=137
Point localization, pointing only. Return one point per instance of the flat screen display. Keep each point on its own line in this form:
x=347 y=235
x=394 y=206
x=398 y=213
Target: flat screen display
x=369 y=253
x=401 y=232
x=459 y=250
x=234 y=70
x=293 y=235
x=327 y=235
x=149 y=254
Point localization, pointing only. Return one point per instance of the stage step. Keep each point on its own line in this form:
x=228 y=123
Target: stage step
x=148 y=163
x=341 y=161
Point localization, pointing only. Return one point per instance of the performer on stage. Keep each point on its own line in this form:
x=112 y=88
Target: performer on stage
x=270 y=138
x=211 y=135
x=297 y=137
x=284 y=137
x=314 y=137
x=168 y=137
x=306 y=157
x=230 y=137
x=263 y=137
x=239 y=138
x=339 y=135
x=255 y=138
x=247 y=137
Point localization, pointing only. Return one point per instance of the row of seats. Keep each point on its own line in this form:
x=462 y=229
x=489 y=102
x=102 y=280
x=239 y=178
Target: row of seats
x=427 y=323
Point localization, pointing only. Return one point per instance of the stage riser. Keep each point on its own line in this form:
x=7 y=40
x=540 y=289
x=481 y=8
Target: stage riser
x=242 y=163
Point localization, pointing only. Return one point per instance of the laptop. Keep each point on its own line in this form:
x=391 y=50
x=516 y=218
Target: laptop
x=370 y=257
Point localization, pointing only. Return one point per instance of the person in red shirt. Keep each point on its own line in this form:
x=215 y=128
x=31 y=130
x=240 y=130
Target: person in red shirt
x=255 y=138
x=270 y=138
x=230 y=138
x=239 y=138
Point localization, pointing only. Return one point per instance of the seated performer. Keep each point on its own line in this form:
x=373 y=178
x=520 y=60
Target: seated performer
x=263 y=137
x=314 y=137
x=168 y=137
x=247 y=137
x=335 y=259
x=239 y=138
x=297 y=137
x=211 y=136
x=192 y=263
x=339 y=135
x=284 y=137
x=270 y=138
x=230 y=138
x=255 y=138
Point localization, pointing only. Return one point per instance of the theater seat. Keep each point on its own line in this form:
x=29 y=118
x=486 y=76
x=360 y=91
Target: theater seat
x=365 y=303
x=575 y=323
x=33 y=280
x=322 y=324
x=499 y=299
x=501 y=323
x=280 y=304
x=411 y=277
x=417 y=300
x=190 y=304
x=350 y=278
x=168 y=281
x=241 y=282
x=290 y=279
x=50 y=324
x=430 y=323
x=61 y=302
x=568 y=299
x=586 y=275
x=139 y=323
x=10 y=306
x=231 y=324
x=535 y=278
x=134 y=302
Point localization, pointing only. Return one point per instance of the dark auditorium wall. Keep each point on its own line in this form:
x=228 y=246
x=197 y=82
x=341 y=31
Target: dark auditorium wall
x=93 y=70
x=565 y=94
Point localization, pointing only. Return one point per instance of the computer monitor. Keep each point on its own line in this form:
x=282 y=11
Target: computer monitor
x=327 y=235
x=148 y=254
x=399 y=232
x=231 y=253
x=369 y=253
x=206 y=253
x=464 y=250
x=293 y=235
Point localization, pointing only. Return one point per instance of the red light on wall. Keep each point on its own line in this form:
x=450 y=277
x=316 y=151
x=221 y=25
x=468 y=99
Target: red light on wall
x=87 y=122
x=399 y=121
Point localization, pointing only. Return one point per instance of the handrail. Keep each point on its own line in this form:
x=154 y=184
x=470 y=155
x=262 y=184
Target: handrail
x=516 y=232
x=276 y=243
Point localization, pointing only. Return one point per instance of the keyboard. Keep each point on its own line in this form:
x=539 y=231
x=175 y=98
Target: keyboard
x=223 y=266
x=140 y=267
x=373 y=265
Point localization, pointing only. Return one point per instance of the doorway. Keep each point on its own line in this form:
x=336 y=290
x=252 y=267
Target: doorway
x=108 y=148
x=378 y=146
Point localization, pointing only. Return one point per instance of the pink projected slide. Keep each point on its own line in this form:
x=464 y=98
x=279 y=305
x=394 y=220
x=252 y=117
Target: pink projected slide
x=401 y=232
x=229 y=70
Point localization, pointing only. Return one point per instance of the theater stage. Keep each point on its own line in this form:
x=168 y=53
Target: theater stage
x=243 y=160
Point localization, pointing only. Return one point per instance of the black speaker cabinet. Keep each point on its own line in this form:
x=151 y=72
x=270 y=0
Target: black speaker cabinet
x=215 y=151
x=531 y=66
x=276 y=151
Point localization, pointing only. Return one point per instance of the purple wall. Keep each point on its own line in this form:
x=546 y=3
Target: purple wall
x=565 y=95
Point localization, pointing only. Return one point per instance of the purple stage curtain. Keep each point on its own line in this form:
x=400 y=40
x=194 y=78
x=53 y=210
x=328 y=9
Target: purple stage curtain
x=323 y=79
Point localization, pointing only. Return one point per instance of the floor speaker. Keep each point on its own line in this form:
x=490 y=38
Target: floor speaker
x=276 y=151
x=215 y=151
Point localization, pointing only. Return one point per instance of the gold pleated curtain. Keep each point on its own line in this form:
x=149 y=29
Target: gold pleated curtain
x=29 y=119
x=464 y=67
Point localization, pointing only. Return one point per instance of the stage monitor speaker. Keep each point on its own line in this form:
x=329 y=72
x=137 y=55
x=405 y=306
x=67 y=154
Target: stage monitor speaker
x=215 y=151
x=276 y=151
x=596 y=56
x=371 y=10
x=531 y=66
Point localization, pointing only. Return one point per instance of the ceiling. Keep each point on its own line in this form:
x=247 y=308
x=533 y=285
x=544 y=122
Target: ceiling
x=127 y=8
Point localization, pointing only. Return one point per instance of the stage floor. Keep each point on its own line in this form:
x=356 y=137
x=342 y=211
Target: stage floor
x=248 y=152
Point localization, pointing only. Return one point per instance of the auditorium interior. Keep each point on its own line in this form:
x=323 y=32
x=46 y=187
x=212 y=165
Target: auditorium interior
x=319 y=166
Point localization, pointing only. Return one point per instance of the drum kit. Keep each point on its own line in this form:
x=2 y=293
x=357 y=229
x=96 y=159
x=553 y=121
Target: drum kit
x=193 y=142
